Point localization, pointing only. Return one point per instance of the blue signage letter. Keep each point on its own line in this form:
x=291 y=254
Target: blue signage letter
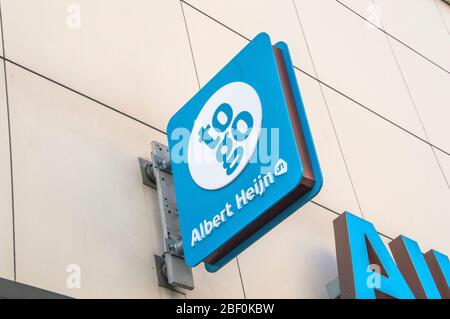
x=360 y=251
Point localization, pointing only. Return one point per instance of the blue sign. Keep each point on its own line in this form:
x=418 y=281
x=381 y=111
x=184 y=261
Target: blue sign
x=242 y=154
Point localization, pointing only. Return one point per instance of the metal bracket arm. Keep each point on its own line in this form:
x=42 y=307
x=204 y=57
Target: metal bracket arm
x=171 y=267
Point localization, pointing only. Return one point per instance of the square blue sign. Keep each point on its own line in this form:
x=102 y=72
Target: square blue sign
x=242 y=155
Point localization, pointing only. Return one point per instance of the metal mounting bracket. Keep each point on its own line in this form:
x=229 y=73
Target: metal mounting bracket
x=172 y=271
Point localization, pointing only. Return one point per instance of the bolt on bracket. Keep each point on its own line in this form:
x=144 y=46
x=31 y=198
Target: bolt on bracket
x=171 y=267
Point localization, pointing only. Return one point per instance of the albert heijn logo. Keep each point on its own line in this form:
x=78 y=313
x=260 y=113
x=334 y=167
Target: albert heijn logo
x=225 y=134
x=242 y=154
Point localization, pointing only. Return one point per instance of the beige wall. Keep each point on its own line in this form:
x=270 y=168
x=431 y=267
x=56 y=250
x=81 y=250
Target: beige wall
x=85 y=103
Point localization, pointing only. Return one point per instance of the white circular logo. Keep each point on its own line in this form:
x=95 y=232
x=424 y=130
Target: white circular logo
x=225 y=135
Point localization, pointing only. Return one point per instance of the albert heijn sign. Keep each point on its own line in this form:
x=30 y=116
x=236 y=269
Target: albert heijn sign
x=367 y=270
x=242 y=155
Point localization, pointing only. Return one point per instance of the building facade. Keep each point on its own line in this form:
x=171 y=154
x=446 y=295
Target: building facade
x=88 y=85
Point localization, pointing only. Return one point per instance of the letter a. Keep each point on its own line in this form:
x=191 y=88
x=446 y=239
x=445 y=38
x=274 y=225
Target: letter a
x=358 y=245
x=195 y=237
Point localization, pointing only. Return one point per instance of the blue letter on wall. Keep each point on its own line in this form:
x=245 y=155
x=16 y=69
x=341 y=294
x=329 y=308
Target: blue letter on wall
x=410 y=261
x=358 y=247
x=439 y=265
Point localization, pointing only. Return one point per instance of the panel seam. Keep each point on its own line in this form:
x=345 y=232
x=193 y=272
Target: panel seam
x=388 y=40
x=198 y=82
x=442 y=17
x=10 y=149
x=81 y=94
x=329 y=112
x=393 y=37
